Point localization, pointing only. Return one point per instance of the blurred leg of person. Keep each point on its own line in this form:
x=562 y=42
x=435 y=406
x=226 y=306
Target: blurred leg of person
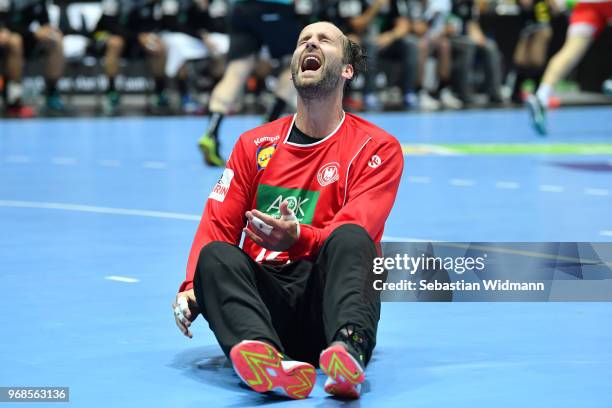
x=588 y=20
x=443 y=50
x=406 y=52
x=114 y=48
x=51 y=40
x=537 y=53
x=464 y=56
x=11 y=45
x=520 y=60
x=491 y=59
x=426 y=101
x=222 y=98
x=156 y=55
x=284 y=95
x=530 y=57
x=466 y=52
x=370 y=99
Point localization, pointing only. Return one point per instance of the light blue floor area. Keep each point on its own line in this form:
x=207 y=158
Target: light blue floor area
x=85 y=199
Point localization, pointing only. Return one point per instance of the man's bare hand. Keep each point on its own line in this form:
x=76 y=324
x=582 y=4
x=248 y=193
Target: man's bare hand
x=185 y=309
x=275 y=234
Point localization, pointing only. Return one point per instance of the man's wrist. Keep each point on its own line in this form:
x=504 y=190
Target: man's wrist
x=303 y=246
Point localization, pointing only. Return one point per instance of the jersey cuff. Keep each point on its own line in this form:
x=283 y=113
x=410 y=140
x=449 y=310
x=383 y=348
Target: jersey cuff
x=185 y=286
x=304 y=246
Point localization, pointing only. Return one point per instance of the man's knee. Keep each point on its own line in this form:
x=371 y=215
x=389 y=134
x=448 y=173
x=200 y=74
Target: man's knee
x=350 y=237
x=213 y=261
x=15 y=43
x=115 y=44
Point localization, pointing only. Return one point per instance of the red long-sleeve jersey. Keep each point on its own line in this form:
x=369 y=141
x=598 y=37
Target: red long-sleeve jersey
x=349 y=177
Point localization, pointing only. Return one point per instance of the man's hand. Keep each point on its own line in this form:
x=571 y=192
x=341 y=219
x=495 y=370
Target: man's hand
x=185 y=311
x=272 y=233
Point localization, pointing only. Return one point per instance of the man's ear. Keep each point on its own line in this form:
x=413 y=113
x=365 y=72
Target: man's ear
x=348 y=72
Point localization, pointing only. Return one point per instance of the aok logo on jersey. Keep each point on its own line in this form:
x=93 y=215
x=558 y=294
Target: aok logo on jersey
x=301 y=202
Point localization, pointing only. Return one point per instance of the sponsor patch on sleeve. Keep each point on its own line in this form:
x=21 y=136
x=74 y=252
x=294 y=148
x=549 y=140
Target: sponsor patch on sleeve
x=220 y=189
x=264 y=154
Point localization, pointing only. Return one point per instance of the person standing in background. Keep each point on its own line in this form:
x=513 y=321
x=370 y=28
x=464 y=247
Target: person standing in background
x=588 y=20
x=252 y=25
x=531 y=52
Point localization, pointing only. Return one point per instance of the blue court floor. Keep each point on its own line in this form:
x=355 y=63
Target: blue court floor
x=97 y=217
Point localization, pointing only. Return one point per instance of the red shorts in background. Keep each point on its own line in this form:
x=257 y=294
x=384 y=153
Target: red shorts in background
x=591 y=17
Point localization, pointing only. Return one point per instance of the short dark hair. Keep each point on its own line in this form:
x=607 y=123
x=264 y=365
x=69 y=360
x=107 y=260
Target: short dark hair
x=354 y=55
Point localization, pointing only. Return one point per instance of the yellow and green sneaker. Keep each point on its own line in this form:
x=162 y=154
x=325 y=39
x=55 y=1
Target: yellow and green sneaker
x=210 y=150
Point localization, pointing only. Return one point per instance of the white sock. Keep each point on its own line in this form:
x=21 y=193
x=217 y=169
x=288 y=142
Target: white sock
x=13 y=92
x=543 y=94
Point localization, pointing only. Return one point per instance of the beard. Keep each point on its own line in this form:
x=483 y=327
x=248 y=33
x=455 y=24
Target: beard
x=316 y=88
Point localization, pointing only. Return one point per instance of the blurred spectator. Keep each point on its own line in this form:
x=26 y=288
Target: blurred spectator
x=27 y=31
x=129 y=28
x=531 y=51
x=340 y=13
x=382 y=27
x=191 y=33
x=252 y=24
x=11 y=60
x=470 y=44
x=429 y=19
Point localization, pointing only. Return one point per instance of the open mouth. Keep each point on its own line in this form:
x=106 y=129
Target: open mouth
x=311 y=63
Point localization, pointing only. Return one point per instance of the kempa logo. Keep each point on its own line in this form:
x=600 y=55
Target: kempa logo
x=301 y=202
x=262 y=139
x=375 y=161
x=328 y=174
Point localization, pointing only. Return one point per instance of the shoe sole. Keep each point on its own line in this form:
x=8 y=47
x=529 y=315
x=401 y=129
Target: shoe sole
x=207 y=146
x=344 y=373
x=261 y=367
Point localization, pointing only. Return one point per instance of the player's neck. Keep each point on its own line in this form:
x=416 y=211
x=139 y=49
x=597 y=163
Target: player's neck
x=318 y=118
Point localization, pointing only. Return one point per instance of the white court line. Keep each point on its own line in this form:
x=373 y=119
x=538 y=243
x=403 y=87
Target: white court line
x=548 y=188
x=18 y=159
x=511 y=185
x=124 y=279
x=462 y=182
x=163 y=214
x=109 y=163
x=596 y=191
x=155 y=165
x=64 y=161
x=387 y=238
x=100 y=210
x=422 y=180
